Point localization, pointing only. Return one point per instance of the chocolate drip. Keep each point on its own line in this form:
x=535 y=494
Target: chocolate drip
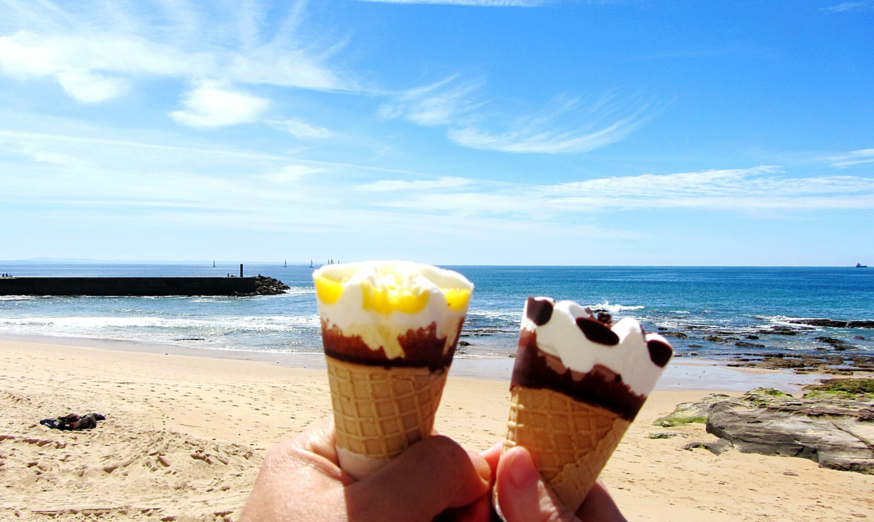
x=421 y=348
x=599 y=387
x=597 y=332
x=660 y=353
x=539 y=310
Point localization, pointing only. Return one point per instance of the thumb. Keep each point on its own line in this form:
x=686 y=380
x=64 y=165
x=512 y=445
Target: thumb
x=428 y=478
x=523 y=496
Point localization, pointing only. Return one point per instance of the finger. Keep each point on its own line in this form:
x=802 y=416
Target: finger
x=492 y=456
x=317 y=446
x=599 y=506
x=320 y=438
x=429 y=477
x=522 y=494
x=479 y=511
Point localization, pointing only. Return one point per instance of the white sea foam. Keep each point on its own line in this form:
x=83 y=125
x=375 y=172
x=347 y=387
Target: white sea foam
x=782 y=320
x=513 y=317
x=615 y=308
x=100 y=324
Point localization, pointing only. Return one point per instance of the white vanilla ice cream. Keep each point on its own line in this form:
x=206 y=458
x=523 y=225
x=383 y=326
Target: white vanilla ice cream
x=382 y=300
x=631 y=358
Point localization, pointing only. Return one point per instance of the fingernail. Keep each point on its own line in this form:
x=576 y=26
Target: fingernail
x=523 y=474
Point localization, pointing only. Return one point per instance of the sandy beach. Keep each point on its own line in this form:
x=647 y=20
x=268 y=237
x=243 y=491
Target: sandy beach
x=185 y=435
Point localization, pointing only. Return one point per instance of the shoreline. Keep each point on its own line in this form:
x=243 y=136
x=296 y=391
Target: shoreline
x=699 y=374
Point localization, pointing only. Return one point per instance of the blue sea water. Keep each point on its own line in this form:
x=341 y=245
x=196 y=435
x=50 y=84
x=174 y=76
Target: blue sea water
x=731 y=304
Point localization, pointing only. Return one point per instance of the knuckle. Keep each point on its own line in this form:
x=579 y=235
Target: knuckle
x=448 y=450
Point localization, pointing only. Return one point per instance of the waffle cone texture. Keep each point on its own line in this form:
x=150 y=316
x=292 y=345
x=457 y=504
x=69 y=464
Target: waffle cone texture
x=379 y=412
x=570 y=441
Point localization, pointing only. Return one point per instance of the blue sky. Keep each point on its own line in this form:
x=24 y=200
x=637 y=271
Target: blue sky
x=638 y=132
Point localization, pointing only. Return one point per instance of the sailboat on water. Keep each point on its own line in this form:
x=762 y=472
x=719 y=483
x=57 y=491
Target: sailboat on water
x=311 y=263
x=286 y=264
x=213 y=264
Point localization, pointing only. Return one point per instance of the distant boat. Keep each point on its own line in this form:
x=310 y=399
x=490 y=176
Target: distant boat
x=860 y=265
x=213 y=264
x=286 y=264
x=311 y=263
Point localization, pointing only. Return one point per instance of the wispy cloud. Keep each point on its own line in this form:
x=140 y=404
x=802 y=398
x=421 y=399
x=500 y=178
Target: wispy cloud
x=440 y=103
x=732 y=189
x=212 y=104
x=293 y=173
x=170 y=183
x=387 y=185
x=96 y=58
x=866 y=5
x=480 y=3
x=562 y=126
x=300 y=129
x=855 y=157
x=93 y=165
x=745 y=190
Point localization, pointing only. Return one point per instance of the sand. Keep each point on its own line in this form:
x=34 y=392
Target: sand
x=184 y=437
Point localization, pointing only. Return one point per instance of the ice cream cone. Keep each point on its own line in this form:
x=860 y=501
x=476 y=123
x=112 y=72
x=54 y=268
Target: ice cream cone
x=570 y=441
x=389 y=330
x=578 y=382
x=379 y=412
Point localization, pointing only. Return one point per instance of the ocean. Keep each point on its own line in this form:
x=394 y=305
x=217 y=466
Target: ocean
x=712 y=312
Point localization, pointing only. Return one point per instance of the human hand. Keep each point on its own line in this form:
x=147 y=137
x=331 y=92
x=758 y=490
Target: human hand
x=525 y=497
x=300 y=479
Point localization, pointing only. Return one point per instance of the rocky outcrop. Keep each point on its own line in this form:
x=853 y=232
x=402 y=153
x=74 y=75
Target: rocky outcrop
x=838 y=364
x=691 y=412
x=832 y=425
x=834 y=323
x=717 y=448
x=269 y=286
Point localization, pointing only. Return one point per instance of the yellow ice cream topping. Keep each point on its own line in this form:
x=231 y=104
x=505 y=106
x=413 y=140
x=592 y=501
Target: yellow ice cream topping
x=328 y=291
x=389 y=298
x=391 y=294
x=457 y=298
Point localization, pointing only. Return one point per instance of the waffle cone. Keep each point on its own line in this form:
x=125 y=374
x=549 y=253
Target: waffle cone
x=379 y=412
x=570 y=441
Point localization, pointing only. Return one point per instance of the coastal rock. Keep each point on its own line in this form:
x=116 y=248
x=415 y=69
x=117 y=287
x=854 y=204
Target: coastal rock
x=744 y=344
x=800 y=363
x=833 y=424
x=837 y=344
x=834 y=323
x=825 y=323
x=860 y=324
x=269 y=286
x=678 y=335
x=665 y=435
x=689 y=412
x=717 y=448
x=778 y=330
